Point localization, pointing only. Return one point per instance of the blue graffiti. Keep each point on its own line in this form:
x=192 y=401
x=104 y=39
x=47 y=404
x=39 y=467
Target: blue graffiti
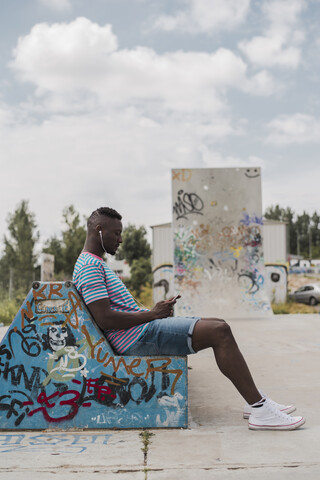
x=249 y=220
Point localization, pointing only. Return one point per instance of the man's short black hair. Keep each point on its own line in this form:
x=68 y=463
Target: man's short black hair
x=102 y=211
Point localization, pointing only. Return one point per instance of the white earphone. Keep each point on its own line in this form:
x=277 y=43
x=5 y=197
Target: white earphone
x=102 y=244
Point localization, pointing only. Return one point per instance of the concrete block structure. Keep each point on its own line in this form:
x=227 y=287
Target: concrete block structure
x=58 y=372
x=217 y=242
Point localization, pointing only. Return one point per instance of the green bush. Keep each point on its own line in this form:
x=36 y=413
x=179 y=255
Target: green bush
x=8 y=310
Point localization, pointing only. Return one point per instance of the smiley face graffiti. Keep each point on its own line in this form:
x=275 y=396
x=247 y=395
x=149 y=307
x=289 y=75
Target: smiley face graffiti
x=252 y=172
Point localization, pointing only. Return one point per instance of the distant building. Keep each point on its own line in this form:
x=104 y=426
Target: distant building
x=46 y=267
x=120 y=267
x=275 y=241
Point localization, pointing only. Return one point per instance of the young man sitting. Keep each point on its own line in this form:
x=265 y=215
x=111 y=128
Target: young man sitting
x=132 y=330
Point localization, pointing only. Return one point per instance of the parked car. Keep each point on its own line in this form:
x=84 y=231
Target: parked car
x=307 y=294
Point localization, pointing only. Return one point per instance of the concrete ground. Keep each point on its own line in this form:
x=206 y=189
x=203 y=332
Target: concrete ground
x=284 y=356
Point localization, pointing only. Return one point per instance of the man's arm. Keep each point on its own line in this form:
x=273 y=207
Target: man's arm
x=108 y=319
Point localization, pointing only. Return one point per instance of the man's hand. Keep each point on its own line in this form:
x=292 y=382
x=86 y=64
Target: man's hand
x=164 y=308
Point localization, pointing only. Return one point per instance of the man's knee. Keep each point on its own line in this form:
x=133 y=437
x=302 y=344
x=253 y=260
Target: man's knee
x=221 y=331
x=210 y=332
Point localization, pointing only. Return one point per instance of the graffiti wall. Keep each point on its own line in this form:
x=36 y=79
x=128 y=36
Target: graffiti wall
x=57 y=371
x=163 y=287
x=277 y=283
x=218 y=245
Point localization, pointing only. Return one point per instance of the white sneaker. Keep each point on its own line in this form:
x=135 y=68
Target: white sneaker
x=268 y=417
x=283 y=408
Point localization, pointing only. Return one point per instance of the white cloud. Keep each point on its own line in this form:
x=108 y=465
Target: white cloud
x=63 y=56
x=79 y=64
x=117 y=158
x=280 y=46
x=262 y=83
x=214 y=159
x=206 y=16
x=291 y=129
x=59 y=5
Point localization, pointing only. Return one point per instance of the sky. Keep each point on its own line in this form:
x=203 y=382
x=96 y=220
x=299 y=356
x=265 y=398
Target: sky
x=100 y=99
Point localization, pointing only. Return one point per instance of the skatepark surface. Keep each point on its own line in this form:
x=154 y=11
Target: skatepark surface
x=283 y=353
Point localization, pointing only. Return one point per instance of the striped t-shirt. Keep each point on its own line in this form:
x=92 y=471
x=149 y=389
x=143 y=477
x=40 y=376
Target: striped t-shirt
x=95 y=280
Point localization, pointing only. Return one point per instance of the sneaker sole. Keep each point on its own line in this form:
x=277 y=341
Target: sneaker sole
x=291 y=426
x=291 y=409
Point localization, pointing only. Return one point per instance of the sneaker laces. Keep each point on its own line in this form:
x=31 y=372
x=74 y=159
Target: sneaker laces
x=269 y=406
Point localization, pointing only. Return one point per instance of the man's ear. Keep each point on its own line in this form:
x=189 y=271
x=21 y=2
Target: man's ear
x=98 y=228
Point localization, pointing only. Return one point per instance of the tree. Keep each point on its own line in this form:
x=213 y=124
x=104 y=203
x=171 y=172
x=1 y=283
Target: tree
x=304 y=230
x=136 y=250
x=73 y=237
x=18 y=261
x=315 y=233
x=134 y=244
x=141 y=275
x=67 y=249
x=302 y=225
x=274 y=213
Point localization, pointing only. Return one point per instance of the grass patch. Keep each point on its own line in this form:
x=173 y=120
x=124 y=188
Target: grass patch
x=292 y=308
x=145 y=437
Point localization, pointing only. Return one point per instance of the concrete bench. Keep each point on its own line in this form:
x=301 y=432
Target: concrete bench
x=58 y=371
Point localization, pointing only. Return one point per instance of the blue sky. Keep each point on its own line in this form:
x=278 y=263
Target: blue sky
x=100 y=99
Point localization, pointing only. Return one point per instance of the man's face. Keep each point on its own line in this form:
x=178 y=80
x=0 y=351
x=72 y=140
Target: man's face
x=111 y=234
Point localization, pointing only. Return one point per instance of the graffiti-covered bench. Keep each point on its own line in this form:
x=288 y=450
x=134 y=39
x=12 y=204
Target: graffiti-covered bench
x=57 y=371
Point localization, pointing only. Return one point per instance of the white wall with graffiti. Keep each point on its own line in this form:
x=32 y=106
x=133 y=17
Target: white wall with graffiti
x=218 y=245
x=277 y=283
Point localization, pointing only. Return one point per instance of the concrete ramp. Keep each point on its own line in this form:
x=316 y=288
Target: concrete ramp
x=57 y=371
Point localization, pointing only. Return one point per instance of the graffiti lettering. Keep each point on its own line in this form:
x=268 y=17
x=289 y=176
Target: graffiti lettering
x=250 y=280
x=46 y=400
x=225 y=264
x=187 y=204
x=68 y=361
x=31 y=345
x=184 y=174
x=135 y=390
x=14 y=406
x=135 y=363
x=17 y=372
x=64 y=443
x=75 y=304
x=27 y=314
x=5 y=351
x=248 y=220
x=52 y=306
x=93 y=386
x=54 y=289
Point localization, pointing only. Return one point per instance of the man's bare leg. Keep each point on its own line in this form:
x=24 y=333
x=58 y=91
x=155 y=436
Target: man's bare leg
x=216 y=333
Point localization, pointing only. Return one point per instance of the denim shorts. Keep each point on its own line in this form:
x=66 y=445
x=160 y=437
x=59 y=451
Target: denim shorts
x=166 y=336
